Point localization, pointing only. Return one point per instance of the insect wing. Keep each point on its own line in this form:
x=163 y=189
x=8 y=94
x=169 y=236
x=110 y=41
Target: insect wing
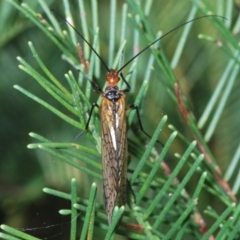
x=114 y=154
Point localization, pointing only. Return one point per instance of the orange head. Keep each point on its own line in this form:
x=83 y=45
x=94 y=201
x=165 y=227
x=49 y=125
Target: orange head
x=112 y=78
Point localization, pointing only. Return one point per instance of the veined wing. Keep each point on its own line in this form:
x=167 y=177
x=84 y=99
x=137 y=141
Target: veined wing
x=114 y=154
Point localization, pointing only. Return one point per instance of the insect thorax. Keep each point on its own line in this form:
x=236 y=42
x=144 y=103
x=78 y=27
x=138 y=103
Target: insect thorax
x=113 y=94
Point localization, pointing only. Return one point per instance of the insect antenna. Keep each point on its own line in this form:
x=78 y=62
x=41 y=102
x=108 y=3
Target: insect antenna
x=164 y=35
x=84 y=39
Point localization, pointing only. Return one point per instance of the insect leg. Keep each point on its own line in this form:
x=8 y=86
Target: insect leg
x=128 y=86
x=88 y=121
x=134 y=106
x=95 y=86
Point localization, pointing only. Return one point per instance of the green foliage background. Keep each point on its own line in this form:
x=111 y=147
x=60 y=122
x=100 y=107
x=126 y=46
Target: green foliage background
x=24 y=172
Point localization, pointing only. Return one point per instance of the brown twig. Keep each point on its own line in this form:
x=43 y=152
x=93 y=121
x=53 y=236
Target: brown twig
x=218 y=172
x=82 y=59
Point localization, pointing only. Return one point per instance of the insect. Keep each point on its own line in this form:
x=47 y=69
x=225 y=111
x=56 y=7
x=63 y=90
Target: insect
x=114 y=128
